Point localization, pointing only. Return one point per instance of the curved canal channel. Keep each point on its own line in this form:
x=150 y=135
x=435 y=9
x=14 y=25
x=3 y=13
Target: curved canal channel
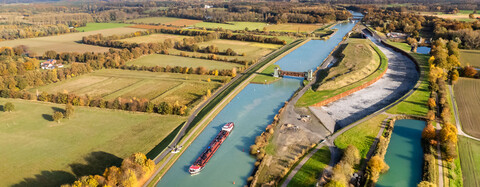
x=251 y=111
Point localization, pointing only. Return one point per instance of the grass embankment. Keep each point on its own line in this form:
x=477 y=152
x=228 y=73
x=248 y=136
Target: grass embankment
x=415 y=104
x=100 y=26
x=172 y=61
x=157 y=87
x=361 y=136
x=46 y=153
x=470 y=57
x=470 y=160
x=266 y=76
x=203 y=114
x=312 y=169
x=312 y=97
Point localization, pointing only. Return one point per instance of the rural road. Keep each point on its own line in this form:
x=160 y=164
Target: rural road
x=394 y=58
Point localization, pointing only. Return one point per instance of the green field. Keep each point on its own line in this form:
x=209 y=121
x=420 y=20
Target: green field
x=415 y=104
x=312 y=169
x=110 y=84
x=66 y=42
x=100 y=26
x=362 y=135
x=153 y=20
x=266 y=76
x=312 y=97
x=233 y=25
x=470 y=57
x=170 y=60
x=154 y=38
x=470 y=160
x=45 y=153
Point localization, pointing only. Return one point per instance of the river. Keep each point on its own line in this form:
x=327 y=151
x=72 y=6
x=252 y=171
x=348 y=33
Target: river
x=251 y=111
x=404 y=155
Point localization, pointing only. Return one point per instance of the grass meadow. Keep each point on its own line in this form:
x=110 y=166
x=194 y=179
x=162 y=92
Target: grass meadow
x=40 y=152
x=362 y=135
x=467 y=95
x=415 y=104
x=101 y=26
x=170 y=60
x=470 y=57
x=66 y=42
x=166 y=21
x=469 y=160
x=312 y=169
x=266 y=76
x=110 y=84
x=461 y=16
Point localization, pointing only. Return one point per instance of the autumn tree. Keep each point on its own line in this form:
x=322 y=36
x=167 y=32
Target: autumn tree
x=57 y=116
x=448 y=133
x=431 y=115
x=376 y=165
x=429 y=132
x=431 y=103
x=351 y=155
x=469 y=71
x=8 y=107
x=471 y=16
x=69 y=110
x=426 y=184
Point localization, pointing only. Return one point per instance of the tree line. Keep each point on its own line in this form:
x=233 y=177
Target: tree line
x=11 y=32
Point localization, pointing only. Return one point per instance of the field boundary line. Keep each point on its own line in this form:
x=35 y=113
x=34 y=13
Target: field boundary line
x=162 y=95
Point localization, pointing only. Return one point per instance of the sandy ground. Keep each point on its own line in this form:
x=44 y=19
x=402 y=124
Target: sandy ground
x=400 y=77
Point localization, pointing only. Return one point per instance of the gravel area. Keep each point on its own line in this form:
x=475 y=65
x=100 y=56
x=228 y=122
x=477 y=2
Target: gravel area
x=400 y=77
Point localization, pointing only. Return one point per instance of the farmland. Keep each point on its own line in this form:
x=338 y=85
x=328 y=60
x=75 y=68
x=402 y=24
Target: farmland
x=467 y=95
x=293 y=27
x=165 y=20
x=100 y=26
x=461 y=16
x=233 y=25
x=157 y=87
x=45 y=153
x=66 y=42
x=470 y=57
x=470 y=160
x=154 y=38
x=170 y=60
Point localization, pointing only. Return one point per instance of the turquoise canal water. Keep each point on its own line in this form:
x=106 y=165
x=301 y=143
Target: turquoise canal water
x=251 y=111
x=404 y=155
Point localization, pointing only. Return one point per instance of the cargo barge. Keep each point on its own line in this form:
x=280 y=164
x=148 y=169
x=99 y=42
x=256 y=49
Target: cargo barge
x=202 y=160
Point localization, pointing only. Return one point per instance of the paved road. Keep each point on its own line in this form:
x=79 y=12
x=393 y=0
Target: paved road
x=457 y=119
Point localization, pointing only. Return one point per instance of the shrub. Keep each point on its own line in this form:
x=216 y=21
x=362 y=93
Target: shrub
x=57 y=116
x=69 y=110
x=8 y=107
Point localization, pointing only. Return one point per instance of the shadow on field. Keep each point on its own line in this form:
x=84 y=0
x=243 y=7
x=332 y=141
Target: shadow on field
x=47 y=178
x=96 y=164
x=49 y=117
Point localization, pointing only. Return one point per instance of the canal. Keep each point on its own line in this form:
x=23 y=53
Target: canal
x=251 y=111
x=404 y=155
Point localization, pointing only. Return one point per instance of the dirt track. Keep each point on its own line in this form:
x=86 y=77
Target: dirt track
x=400 y=77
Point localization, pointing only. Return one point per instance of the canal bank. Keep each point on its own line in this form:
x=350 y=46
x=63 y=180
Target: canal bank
x=251 y=110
